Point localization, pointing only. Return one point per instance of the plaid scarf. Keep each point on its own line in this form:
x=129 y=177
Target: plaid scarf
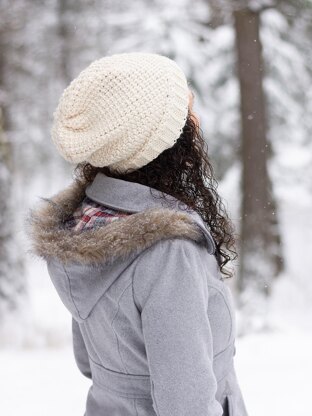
x=91 y=214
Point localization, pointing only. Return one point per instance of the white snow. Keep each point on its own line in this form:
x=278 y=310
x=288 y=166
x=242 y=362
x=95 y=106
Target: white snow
x=273 y=369
x=41 y=382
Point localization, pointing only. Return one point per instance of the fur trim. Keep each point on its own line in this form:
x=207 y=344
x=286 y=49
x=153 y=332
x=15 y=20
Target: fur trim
x=117 y=240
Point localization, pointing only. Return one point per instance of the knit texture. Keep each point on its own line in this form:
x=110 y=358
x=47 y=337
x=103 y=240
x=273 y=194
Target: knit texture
x=122 y=111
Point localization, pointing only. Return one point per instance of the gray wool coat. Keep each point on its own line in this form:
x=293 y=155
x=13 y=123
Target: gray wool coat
x=153 y=322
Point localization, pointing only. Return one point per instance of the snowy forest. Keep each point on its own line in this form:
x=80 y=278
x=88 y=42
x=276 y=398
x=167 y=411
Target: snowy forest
x=249 y=63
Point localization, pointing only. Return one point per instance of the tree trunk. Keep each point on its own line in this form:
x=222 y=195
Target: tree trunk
x=11 y=263
x=12 y=281
x=260 y=248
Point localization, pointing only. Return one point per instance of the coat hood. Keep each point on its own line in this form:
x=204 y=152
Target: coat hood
x=87 y=262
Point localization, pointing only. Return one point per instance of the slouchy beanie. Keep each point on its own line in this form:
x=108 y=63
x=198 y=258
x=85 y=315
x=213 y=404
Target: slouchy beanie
x=122 y=111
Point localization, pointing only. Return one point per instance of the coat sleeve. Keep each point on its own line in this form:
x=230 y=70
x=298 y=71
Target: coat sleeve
x=170 y=290
x=80 y=351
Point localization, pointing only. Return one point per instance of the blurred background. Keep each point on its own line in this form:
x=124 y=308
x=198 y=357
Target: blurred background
x=250 y=66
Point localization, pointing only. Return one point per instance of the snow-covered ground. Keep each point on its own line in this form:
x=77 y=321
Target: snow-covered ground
x=274 y=370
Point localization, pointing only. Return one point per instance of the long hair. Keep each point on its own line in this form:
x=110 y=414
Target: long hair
x=184 y=171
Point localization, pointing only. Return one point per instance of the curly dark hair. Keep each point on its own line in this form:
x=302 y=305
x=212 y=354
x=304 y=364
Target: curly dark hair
x=184 y=172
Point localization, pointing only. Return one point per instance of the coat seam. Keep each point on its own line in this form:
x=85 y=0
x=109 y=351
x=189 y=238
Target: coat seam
x=112 y=326
x=119 y=393
x=121 y=375
x=227 y=306
x=135 y=407
x=70 y=292
x=135 y=300
x=147 y=249
x=140 y=257
x=91 y=339
x=99 y=299
x=153 y=393
x=222 y=351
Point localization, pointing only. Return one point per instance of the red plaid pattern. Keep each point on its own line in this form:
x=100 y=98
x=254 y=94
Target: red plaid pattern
x=91 y=214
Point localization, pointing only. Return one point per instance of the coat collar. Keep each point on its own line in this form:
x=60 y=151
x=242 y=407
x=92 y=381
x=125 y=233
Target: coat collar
x=153 y=218
x=134 y=197
x=128 y=196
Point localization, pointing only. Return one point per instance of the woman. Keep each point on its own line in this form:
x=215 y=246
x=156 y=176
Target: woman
x=137 y=245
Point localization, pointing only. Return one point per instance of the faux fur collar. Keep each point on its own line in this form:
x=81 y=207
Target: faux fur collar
x=117 y=240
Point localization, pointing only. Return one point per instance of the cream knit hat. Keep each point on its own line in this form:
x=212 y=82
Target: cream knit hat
x=122 y=111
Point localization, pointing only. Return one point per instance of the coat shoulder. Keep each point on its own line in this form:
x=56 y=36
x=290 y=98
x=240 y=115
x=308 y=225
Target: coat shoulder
x=166 y=261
